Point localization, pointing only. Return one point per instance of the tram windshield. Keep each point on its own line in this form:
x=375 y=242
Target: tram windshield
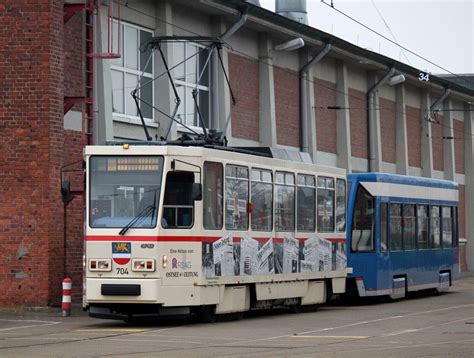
x=124 y=188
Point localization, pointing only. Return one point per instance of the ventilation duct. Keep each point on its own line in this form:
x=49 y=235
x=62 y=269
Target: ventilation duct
x=292 y=9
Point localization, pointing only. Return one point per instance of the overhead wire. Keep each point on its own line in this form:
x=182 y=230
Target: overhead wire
x=393 y=42
x=292 y=73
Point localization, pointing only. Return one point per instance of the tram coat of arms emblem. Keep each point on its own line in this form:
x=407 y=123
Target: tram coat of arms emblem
x=121 y=252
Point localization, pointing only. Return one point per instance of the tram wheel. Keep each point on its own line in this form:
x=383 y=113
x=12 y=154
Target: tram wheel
x=208 y=314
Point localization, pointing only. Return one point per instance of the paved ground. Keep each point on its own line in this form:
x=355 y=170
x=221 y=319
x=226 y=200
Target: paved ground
x=434 y=326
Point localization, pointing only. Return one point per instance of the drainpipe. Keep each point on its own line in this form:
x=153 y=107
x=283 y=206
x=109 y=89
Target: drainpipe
x=446 y=93
x=237 y=25
x=304 y=115
x=215 y=106
x=372 y=139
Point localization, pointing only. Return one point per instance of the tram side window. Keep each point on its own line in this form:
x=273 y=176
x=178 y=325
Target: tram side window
x=237 y=194
x=325 y=204
x=178 y=206
x=435 y=227
x=383 y=227
x=409 y=227
x=340 y=205
x=262 y=200
x=284 y=201
x=447 y=226
x=422 y=228
x=395 y=227
x=362 y=238
x=306 y=203
x=213 y=196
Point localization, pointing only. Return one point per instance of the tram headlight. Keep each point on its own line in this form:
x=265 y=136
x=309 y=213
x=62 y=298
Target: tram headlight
x=147 y=265
x=100 y=265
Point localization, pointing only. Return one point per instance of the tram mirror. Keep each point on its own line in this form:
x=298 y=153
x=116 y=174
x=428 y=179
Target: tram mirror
x=66 y=191
x=196 y=191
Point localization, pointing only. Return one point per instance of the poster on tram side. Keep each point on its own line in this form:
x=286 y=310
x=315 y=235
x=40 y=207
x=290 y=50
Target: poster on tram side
x=310 y=254
x=291 y=252
x=223 y=253
x=341 y=260
x=248 y=256
x=265 y=261
x=325 y=254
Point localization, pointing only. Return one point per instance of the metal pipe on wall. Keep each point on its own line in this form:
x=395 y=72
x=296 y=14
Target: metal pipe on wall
x=304 y=115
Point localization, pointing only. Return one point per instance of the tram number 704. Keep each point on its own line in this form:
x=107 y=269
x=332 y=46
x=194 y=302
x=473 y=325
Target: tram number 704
x=122 y=271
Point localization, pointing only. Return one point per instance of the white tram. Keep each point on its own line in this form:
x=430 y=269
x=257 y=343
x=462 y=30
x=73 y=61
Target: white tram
x=176 y=230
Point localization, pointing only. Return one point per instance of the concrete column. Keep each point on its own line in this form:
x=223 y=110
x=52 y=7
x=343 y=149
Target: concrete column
x=375 y=140
x=343 y=123
x=220 y=94
x=426 y=144
x=164 y=95
x=308 y=104
x=469 y=182
x=268 y=133
x=401 y=144
x=103 y=130
x=448 y=147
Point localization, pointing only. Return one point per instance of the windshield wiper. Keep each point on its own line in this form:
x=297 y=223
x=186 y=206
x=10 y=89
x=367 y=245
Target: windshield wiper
x=150 y=209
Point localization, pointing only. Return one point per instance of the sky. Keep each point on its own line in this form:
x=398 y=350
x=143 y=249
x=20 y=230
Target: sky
x=441 y=31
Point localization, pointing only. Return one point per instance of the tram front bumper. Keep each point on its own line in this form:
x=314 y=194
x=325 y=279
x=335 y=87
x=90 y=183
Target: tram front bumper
x=99 y=290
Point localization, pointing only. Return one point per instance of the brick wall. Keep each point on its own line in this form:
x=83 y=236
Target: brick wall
x=31 y=122
x=243 y=75
x=73 y=231
x=325 y=95
x=388 y=129
x=459 y=145
x=437 y=143
x=287 y=97
x=414 y=136
x=358 y=114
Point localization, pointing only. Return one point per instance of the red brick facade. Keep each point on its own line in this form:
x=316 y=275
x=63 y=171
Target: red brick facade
x=413 y=116
x=388 y=130
x=287 y=104
x=31 y=120
x=438 y=143
x=243 y=75
x=459 y=140
x=358 y=114
x=325 y=95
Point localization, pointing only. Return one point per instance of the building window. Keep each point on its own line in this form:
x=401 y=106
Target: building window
x=191 y=73
x=126 y=72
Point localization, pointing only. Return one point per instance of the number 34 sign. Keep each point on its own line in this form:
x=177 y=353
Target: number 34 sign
x=423 y=76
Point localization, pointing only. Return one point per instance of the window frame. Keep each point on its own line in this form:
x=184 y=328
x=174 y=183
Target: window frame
x=225 y=195
x=275 y=207
x=345 y=205
x=221 y=193
x=272 y=183
x=186 y=84
x=125 y=70
x=389 y=235
x=333 y=189
x=315 y=197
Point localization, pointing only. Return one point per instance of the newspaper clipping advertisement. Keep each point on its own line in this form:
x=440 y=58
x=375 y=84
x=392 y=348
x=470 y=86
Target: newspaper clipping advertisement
x=224 y=256
x=248 y=256
x=265 y=263
x=291 y=253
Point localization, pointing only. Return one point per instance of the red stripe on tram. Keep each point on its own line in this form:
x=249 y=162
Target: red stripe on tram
x=189 y=238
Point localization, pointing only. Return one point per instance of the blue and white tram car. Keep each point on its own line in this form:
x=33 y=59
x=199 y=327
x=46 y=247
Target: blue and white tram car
x=402 y=234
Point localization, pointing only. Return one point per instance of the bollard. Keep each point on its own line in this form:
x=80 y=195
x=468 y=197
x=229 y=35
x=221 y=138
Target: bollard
x=66 y=304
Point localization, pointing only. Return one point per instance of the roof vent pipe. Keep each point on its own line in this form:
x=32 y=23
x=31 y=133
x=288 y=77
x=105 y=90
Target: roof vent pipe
x=292 y=9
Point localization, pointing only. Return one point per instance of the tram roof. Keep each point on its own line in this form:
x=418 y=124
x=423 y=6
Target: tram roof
x=403 y=179
x=211 y=154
